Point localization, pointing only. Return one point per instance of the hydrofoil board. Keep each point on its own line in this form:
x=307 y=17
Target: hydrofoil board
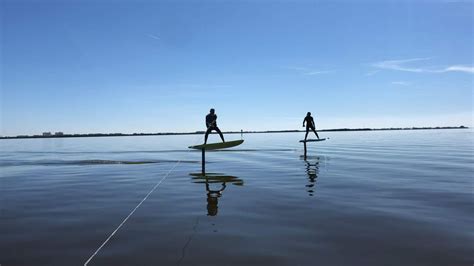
x=312 y=140
x=216 y=146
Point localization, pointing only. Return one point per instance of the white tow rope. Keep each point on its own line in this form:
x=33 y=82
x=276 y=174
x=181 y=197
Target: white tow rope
x=131 y=213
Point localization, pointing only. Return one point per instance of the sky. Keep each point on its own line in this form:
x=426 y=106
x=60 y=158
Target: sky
x=159 y=66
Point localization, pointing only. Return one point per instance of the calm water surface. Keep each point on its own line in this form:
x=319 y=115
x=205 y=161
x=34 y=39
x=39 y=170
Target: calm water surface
x=359 y=198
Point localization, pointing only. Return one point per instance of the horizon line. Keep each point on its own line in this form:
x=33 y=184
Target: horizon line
x=72 y=135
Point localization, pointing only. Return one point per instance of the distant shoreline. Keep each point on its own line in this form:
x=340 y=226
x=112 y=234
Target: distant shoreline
x=227 y=132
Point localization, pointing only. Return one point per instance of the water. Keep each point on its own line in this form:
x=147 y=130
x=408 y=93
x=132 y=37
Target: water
x=359 y=198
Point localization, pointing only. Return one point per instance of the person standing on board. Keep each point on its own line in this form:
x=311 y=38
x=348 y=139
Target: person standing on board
x=309 y=121
x=211 y=124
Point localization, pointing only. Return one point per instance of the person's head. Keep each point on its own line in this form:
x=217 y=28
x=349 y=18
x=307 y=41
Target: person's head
x=308 y=114
x=212 y=110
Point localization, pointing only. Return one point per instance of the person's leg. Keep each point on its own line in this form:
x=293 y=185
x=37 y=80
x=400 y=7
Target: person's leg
x=220 y=133
x=209 y=129
x=307 y=131
x=314 y=130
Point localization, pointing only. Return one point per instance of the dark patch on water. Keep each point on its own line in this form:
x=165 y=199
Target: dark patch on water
x=95 y=152
x=89 y=162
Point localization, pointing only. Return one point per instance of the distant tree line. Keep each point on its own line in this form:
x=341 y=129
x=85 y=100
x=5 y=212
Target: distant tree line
x=63 y=135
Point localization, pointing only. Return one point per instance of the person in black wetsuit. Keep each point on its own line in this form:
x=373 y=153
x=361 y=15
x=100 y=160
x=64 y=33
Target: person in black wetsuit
x=309 y=121
x=211 y=124
x=213 y=198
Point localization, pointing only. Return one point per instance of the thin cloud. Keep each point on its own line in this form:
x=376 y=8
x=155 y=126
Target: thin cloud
x=400 y=65
x=371 y=73
x=312 y=73
x=459 y=68
x=308 y=71
x=202 y=86
x=154 y=36
x=456 y=1
x=407 y=66
x=296 y=68
x=401 y=83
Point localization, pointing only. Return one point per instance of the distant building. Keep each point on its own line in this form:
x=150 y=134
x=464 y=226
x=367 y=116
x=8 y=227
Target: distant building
x=59 y=133
x=47 y=134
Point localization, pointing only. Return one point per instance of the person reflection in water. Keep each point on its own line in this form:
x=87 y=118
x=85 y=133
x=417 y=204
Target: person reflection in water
x=312 y=170
x=213 y=199
x=218 y=183
x=211 y=124
x=309 y=121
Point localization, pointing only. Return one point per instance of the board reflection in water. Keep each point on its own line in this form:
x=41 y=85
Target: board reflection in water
x=215 y=184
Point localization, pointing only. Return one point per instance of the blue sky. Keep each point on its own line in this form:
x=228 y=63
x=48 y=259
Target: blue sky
x=150 y=66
